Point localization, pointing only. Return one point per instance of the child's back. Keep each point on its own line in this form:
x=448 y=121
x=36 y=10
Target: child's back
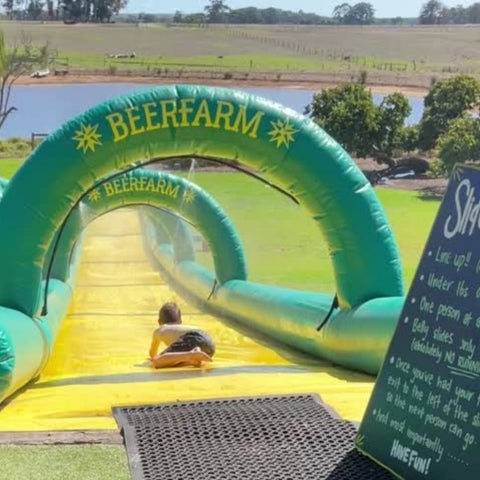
x=184 y=342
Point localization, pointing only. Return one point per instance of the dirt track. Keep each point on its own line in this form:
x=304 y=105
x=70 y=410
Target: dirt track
x=296 y=81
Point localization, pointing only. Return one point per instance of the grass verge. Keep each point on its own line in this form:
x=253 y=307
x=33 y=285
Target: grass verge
x=75 y=462
x=8 y=166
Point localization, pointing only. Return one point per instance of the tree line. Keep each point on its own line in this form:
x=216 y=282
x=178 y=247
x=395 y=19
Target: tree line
x=449 y=130
x=217 y=11
x=362 y=13
x=436 y=13
x=98 y=11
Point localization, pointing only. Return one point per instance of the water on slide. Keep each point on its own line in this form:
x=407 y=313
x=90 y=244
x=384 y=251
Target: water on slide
x=100 y=356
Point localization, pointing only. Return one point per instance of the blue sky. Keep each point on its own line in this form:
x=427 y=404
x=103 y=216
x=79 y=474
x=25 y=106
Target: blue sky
x=383 y=8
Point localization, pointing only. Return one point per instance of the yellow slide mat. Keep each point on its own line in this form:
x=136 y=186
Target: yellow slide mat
x=100 y=357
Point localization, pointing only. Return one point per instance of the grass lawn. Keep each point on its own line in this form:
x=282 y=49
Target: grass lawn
x=72 y=462
x=8 y=166
x=283 y=247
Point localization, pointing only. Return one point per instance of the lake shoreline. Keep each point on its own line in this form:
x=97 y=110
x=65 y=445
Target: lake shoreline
x=294 y=84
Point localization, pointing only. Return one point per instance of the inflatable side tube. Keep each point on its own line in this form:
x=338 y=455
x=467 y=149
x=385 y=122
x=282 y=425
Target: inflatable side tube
x=26 y=343
x=357 y=338
x=3 y=186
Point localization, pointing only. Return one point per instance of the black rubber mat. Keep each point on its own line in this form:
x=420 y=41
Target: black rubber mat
x=275 y=437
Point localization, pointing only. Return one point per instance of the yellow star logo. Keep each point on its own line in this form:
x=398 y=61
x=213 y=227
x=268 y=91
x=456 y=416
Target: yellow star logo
x=189 y=196
x=87 y=138
x=282 y=133
x=94 y=195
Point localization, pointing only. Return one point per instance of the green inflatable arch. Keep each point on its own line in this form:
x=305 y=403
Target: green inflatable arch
x=160 y=190
x=204 y=122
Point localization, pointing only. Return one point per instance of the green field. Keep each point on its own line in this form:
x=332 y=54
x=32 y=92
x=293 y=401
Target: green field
x=418 y=50
x=283 y=247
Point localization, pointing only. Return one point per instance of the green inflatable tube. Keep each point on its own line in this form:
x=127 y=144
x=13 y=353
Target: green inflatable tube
x=3 y=186
x=357 y=338
x=26 y=343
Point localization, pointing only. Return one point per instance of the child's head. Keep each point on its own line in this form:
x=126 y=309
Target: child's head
x=169 y=313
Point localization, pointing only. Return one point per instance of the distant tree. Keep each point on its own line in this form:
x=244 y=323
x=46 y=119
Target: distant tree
x=432 y=12
x=447 y=100
x=178 y=17
x=271 y=15
x=194 y=18
x=246 y=15
x=340 y=12
x=90 y=10
x=14 y=62
x=9 y=7
x=456 y=15
x=361 y=13
x=147 y=17
x=216 y=11
x=348 y=113
x=473 y=13
x=71 y=10
x=50 y=10
x=396 y=21
x=34 y=9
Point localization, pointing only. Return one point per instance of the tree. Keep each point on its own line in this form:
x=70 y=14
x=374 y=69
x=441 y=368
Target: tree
x=460 y=143
x=431 y=12
x=359 y=14
x=9 y=6
x=362 y=13
x=216 y=11
x=245 y=15
x=447 y=100
x=340 y=12
x=90 y=10
x=392 y=112
x=473 y=13
x=50 y=10
x=14 y=62
x=178 y=17
x=34 y=9
x=347 y=112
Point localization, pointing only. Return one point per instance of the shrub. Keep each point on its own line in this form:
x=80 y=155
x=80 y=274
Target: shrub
x=460 y=143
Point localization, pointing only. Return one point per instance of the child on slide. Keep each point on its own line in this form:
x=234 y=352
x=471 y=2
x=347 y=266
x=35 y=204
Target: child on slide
x=186 y=345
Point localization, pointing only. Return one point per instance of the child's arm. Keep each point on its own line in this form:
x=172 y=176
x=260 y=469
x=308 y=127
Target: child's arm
x=156 y=339
x=173 y=359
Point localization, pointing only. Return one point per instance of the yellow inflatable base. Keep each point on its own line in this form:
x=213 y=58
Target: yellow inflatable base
x=100 y=357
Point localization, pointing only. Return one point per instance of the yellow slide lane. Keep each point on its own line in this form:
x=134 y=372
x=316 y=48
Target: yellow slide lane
x=100 y=357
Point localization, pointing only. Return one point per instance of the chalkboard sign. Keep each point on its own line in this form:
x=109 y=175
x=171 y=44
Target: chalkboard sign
x=423 y=419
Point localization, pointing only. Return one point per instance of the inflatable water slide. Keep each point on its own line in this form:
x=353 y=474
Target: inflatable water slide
x=95 y=164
